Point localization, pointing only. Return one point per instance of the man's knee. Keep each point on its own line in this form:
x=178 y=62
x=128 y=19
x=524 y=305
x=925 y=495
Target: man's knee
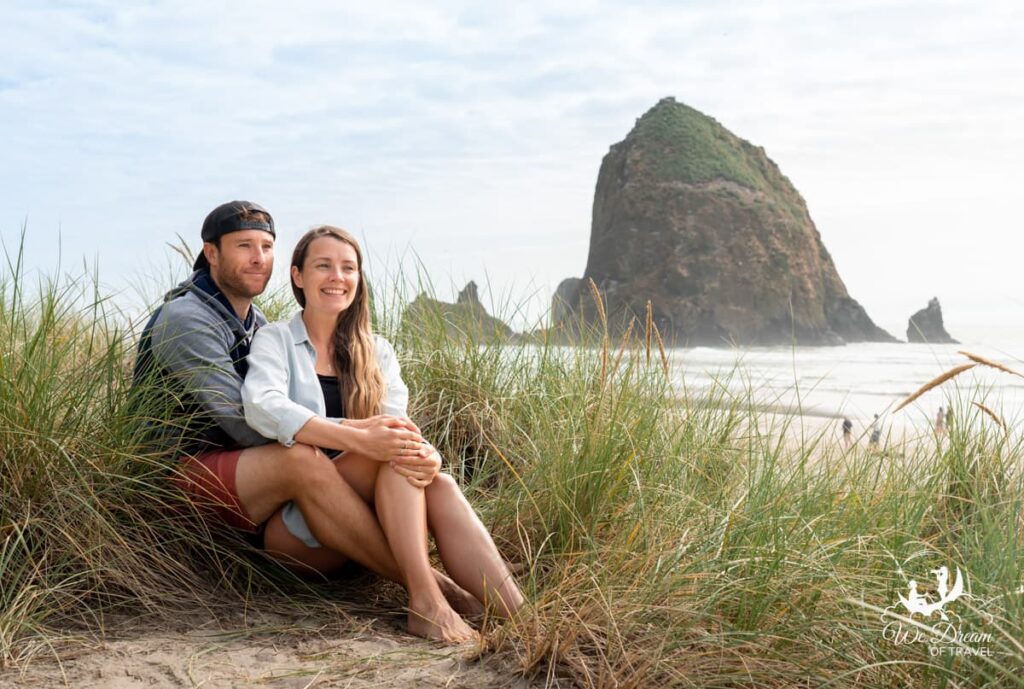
x=269 y=475
x=306 y=467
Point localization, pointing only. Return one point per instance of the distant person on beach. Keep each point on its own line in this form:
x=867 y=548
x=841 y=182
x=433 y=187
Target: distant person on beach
x=940 y=422
x=876 y=432
x=847 y=431
x=288 y=497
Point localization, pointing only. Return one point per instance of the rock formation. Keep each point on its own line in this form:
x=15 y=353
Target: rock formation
x=466 y=316
x=926 y=325
x=704 y=226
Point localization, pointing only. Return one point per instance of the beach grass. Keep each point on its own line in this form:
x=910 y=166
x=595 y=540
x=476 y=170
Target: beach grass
x=662 y=540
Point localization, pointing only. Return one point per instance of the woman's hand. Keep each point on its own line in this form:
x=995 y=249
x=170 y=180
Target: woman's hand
x=419 y=471
x=386 y=438
x=381 y=419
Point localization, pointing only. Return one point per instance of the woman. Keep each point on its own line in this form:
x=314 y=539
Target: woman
x=324 y=379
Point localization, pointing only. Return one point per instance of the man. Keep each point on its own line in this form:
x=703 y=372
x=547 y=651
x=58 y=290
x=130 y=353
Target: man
x=194 y=348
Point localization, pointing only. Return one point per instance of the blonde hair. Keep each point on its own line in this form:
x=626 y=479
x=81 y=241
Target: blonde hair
x=359 y=377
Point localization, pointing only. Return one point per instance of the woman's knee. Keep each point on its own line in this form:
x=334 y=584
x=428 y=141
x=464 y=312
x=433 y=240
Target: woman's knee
x=360 y=472
x=445 y=490
x=444 y=483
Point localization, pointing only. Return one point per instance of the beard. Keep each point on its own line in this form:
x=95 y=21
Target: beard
x=238 y=284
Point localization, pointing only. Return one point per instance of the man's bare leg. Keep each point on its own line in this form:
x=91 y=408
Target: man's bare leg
x=270 y=475
x=280 y=544
x=337 y=515
x=467 y=549
x=361 y=474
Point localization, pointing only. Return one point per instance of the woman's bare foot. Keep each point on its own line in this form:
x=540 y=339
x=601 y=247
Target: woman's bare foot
x=461 y=600
x=440 y=623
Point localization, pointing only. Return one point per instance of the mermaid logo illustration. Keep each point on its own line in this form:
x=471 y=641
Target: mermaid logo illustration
x=916 y=602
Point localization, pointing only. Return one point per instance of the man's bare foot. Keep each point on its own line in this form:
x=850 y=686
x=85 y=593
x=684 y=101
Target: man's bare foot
x=440 y=623
x=461 y=600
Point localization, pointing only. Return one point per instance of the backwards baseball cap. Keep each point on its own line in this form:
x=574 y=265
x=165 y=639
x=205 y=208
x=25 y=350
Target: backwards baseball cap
x=227 y=218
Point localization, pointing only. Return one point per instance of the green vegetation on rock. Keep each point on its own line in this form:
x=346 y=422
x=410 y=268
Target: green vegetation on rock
x=682 y=144
x=688 y=146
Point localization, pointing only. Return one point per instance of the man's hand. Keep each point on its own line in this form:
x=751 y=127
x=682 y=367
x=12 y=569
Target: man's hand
x=419 y=471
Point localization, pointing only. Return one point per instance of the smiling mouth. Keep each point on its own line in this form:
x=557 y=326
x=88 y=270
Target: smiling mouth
x=335 y=292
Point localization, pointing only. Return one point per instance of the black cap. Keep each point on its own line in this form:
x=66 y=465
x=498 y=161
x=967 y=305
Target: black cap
x=227 y=218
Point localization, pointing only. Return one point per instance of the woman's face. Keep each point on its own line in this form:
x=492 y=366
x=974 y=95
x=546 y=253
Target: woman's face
x=329 y=278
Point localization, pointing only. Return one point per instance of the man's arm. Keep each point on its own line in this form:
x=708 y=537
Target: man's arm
x=193 y=351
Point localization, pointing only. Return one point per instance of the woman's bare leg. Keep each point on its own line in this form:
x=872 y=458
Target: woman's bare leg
x=359 y=477
x=467 y=549
x=464 y=544
x=402 y=510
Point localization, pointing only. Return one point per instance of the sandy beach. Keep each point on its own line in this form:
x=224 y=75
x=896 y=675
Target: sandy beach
x=276 y=651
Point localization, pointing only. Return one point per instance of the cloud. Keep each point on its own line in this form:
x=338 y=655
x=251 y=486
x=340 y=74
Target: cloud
x=474 y=131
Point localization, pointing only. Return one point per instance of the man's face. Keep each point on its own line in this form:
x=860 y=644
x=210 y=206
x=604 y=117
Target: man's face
x=242 y=265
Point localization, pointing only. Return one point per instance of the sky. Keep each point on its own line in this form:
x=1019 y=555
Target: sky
x=466 y=138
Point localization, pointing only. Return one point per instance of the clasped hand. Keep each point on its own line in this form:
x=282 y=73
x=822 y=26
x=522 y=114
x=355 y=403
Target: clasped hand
x=399 y=442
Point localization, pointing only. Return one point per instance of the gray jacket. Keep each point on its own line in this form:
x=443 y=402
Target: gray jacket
x=195 y=347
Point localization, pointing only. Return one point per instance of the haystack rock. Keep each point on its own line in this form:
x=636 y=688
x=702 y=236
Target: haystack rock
x=706 y=227
x=926 y=325
x=467 y=316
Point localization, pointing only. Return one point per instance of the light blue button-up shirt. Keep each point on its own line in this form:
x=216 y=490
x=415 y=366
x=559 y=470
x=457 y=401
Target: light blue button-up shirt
x=281 y=392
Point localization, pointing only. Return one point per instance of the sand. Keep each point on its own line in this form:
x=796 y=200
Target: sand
x=276 y=651
x=799 y=430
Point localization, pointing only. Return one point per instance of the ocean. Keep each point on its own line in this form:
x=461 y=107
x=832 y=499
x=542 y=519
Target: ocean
x=860 y=380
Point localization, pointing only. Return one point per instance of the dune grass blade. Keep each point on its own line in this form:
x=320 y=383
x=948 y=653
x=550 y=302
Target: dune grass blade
x=992 y=415
x=934 y=383
x=991 y=364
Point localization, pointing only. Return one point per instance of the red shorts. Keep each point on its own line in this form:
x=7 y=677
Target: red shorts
x=208 y=479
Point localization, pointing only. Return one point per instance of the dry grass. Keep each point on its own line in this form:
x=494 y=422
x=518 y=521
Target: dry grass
x=934 y=383
x=991 y=364
x=992 y=415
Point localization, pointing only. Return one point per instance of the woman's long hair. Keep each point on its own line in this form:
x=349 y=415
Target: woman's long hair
x=359 y=377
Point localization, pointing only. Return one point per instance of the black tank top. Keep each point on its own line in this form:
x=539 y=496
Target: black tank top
x=332 y=400
x=332 y=396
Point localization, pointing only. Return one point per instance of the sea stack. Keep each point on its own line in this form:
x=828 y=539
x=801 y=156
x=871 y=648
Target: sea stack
x=926 y=325
x=703 y=225
x=467 y=316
